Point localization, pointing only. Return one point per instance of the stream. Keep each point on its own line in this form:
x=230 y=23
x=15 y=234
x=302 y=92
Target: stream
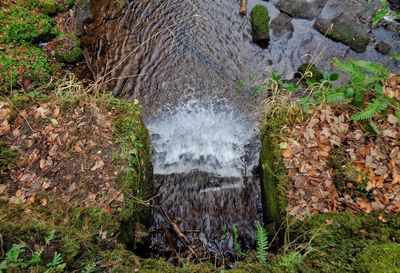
x=184 y=60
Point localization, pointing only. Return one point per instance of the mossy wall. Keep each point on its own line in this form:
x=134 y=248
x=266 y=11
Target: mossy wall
x=273 y=175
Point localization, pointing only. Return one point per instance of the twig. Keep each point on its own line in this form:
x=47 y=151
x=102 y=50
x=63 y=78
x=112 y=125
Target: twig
x=179 y=232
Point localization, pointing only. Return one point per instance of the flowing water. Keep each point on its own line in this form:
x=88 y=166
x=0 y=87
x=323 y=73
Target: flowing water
x=193 y=65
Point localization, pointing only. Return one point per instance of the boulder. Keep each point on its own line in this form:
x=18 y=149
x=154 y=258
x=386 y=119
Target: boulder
x=346 y=21
x=303 y=9
x=260 y=25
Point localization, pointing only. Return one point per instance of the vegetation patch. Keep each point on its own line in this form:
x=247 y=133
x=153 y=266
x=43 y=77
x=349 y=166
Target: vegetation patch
x=23 y=66
x=20 y=24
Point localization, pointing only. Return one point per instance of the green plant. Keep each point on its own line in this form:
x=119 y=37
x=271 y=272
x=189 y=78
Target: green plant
x=364 y=91
x=20 y=24
x=262 y=244
x=89 y=268
x=291 y=262
x=50 y=237
x=56 y=264
x=12 y=257
x=381 y=13
x=395 y=57
x=277 y=82
x=24 y=65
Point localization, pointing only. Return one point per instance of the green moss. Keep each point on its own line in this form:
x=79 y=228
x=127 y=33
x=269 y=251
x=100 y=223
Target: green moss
x=344 y=31
x=273 y=175
x=133 y=137
x=7 y=156
x=68 y=49
x=383 y=258
x=24 y=65
x=260 y=24
x=49 y=7
x=339 y=238
x=20 y=24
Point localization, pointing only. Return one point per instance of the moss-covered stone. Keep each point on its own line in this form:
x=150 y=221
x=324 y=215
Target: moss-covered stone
x=310 y=73
x=260 y=24
x=68 y=49
x=49 y=7
x=383 y=47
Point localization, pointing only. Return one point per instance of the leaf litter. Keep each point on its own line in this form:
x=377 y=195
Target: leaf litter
x=63 y=152
x=369 y=173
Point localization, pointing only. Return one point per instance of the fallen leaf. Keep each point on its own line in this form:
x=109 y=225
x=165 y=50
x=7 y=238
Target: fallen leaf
x=43 y=202
x=31 y=200
x=99 y=164
x=287 y=153
x=382 y=219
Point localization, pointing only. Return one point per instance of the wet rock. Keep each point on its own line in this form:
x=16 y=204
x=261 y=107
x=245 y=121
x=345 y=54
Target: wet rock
x=304 y=9
x=282 y=26
x=346 y=21
x=260 y=25
x=68 y=49
x=383 y=47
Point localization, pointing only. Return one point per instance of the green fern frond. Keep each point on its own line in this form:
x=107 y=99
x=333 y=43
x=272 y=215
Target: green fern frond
x=373 y=108
x=262 y=244
x=335 y=96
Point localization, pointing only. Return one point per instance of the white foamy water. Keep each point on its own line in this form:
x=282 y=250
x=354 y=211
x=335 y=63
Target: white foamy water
x=197 y=136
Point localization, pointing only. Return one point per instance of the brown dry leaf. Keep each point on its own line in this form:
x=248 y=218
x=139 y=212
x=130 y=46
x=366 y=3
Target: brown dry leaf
x=98 y=164
x=18 y=194
x=31 y=200
x=382 y=219
x=77 y=147
x=392 y=87
x=287 y=153
x=56 y=112
x=2 y=188
x=364 y=205
x=392 y=119
x=389 y=133
x=46 y=185
x=43 y=202
x=5 y=115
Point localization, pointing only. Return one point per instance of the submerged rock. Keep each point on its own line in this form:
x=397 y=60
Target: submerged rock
x=346 y=21
x=260 y=24
x=383 y=47
x=304 y=9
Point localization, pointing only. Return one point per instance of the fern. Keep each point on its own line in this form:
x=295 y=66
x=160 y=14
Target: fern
x=335 y=96
x=262 y=244
x=373 y=108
